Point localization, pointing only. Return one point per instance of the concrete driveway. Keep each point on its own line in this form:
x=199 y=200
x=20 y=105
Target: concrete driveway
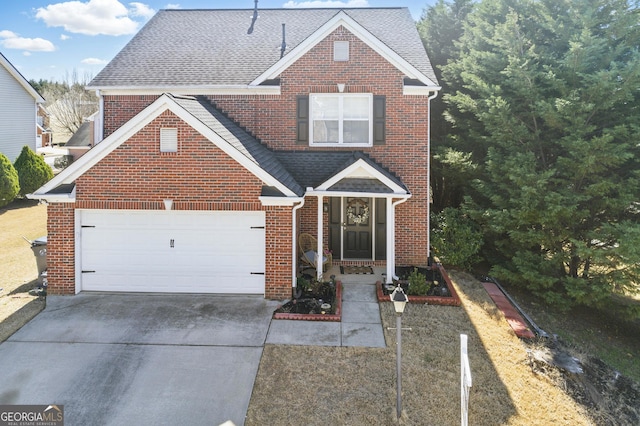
x=115 y=359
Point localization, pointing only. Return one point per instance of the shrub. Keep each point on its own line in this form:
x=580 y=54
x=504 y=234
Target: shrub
x=33 y=172
x=9 y=182
x=62 y=162
x=418 y=285
x=456 y=239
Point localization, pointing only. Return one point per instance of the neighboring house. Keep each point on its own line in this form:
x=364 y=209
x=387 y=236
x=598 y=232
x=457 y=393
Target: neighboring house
x=43 y=130
x=20 y=109
x=220 y=144
x=82 y=140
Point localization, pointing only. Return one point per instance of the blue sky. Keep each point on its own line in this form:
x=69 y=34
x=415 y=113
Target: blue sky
x=54 y=41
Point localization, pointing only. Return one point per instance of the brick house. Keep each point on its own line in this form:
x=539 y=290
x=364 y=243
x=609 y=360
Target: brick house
x=223 y=138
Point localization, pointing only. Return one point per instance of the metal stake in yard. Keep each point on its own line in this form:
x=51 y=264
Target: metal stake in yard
x=399 y=299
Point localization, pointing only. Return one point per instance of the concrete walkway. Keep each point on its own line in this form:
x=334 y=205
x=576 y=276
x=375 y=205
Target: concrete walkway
x=361 y=324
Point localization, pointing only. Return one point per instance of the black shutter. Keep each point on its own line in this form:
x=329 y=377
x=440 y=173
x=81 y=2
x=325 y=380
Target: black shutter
x=379 y=116
x=302 y=117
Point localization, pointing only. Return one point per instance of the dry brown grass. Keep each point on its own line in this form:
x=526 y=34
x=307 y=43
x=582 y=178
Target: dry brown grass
x=18 y=265
x=315 y=385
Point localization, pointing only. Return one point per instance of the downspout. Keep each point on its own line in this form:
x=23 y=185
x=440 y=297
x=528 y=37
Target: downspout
x=320 y=254
x=391 y=257
x=435 y=93
x=98 y=131
x=294 y=251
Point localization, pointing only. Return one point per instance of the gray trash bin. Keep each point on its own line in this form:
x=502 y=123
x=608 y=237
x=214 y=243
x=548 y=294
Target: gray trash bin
x=39 y=247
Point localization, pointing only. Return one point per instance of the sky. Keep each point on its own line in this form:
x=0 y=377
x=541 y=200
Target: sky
x=73 y=40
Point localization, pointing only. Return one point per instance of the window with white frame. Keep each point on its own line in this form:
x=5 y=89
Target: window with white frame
x=341 y=119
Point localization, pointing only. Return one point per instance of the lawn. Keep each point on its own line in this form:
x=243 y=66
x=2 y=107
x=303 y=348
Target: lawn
x=316 y=385
x=356 y=386
x=22 y=218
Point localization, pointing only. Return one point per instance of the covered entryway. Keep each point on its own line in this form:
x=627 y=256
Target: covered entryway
x=357 y=228
x=171 y=251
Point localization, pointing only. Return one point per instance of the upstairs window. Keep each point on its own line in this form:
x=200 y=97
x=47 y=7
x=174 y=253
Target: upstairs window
x=347 y=120
x=341 y=119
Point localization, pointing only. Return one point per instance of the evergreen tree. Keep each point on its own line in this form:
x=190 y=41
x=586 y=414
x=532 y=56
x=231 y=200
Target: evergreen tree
x=9 y=183
x=440 y=27
x=32 y=170
x=548 y=92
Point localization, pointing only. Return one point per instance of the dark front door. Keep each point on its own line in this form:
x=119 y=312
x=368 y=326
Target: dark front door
x=357 y=232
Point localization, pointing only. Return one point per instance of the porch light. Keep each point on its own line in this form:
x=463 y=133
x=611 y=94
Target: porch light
x=399 y=299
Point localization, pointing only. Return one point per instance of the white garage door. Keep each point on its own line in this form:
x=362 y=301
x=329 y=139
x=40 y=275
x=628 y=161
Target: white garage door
x=172 y=251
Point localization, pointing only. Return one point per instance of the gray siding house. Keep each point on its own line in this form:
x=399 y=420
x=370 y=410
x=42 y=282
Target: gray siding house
x=18 y=111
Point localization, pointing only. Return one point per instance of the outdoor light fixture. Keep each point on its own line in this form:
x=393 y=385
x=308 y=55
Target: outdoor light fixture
x=399 y=299
x=168 y=204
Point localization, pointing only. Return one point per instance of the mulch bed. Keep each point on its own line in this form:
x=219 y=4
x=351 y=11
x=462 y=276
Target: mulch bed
x=436 y=270
x=335 y=315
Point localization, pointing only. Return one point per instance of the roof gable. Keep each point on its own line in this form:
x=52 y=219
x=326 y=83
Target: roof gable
x=20 y=79
x=186 y=51
x=203 y=118
x=357 y=174
x=340 y=172
x=344 y=20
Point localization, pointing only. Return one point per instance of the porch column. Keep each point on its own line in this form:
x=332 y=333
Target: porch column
x=319 y=250
x=391 y=240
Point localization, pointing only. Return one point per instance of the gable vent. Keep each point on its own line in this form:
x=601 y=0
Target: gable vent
x=341 y=51
x=168 y=140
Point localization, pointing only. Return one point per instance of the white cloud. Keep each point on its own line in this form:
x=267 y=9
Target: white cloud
x=141 y=9
x=64 y=37
x=26 y=53
x=93 y=61
x=8 y=34
x=11 y=40
x=327 y=3
x=173 y=6
x=109 y=17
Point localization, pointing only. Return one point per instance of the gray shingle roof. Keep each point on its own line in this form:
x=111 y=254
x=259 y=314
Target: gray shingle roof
x=313 y=168
x=82 y=137
x=242 y=141
x=212 y=47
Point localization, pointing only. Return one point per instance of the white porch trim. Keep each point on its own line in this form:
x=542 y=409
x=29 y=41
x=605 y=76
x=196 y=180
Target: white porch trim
x=390 y=224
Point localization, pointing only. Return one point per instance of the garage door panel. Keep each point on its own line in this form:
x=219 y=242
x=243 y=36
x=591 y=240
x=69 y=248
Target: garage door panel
x=174 y=251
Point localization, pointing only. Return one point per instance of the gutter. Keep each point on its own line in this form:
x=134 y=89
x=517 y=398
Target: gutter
x=435 y=93
x=391 y=266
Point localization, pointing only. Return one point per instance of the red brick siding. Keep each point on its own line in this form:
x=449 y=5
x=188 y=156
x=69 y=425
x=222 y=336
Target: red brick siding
x=271 y=118
x=278 y=280
x=199 y=176
x=120 y=109
x=60 y=248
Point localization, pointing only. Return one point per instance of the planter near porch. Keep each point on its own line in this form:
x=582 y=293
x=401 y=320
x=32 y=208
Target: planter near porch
x=436 y=273
x=336 y=315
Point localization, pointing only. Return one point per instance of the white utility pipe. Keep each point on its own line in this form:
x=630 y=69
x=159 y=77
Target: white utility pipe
x=294 y=251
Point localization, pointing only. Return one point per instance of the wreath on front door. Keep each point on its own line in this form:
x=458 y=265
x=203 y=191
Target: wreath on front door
x=352 y=208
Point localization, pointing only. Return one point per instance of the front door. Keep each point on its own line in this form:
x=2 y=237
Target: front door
x=357 y=230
